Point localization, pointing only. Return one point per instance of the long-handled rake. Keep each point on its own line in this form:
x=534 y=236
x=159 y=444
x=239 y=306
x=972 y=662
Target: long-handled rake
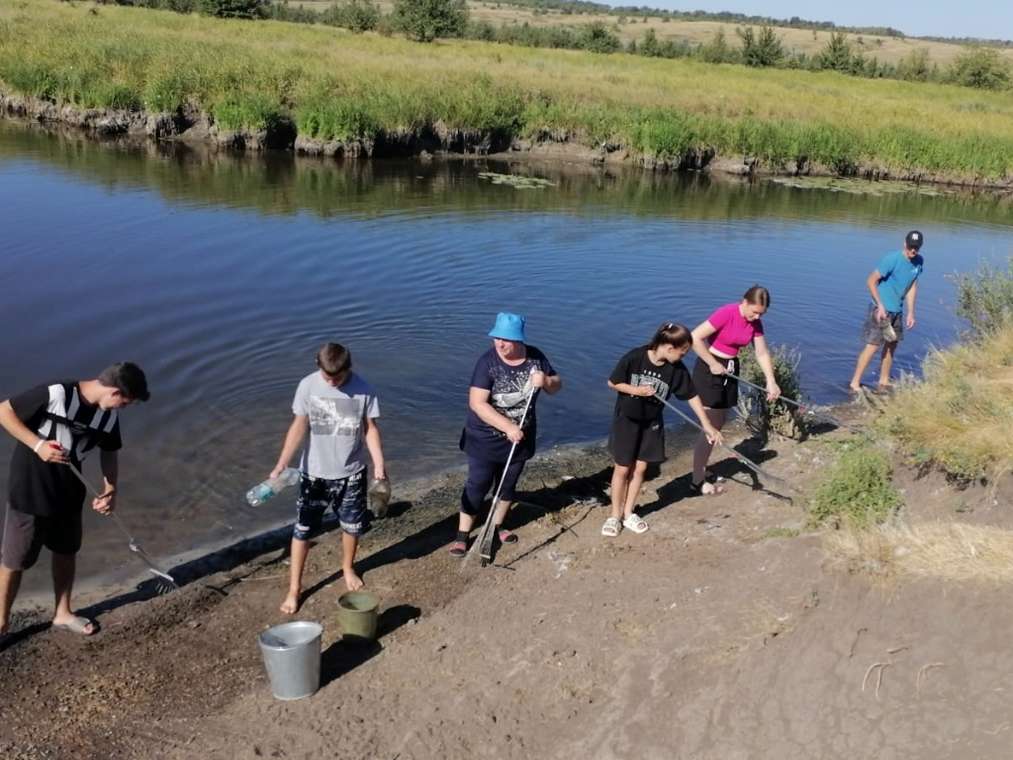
x=774 y=479
x=488 y=533
x=134 y=546
x=803 y=408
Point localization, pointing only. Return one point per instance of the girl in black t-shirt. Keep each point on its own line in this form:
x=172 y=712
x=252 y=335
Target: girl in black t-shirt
x=642 y=378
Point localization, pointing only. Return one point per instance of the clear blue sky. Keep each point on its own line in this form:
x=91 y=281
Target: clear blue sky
x=992 y=19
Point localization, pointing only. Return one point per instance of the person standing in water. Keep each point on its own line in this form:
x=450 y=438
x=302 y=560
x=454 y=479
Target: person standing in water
x=338 y=409
x=642 y=378
x=892 y=284
x=503 y=379
x=717 y=342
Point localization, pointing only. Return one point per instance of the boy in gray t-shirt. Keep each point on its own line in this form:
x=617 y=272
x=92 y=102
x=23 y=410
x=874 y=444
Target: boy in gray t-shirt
x=339 y=410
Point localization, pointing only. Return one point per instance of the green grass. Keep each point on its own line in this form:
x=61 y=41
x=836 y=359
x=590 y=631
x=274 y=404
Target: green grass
x=856 y=491
x=337 y=85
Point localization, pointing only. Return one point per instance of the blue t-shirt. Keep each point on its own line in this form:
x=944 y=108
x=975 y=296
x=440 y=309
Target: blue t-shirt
x=897 y=275
x=508 y=392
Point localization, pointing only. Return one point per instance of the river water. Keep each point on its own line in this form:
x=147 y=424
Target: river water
x=222 y=275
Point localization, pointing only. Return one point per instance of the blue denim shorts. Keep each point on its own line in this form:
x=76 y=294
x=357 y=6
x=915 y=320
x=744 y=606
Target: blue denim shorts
x=346 y=496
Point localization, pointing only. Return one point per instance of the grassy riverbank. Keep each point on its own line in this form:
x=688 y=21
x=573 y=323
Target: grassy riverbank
x=335 y=85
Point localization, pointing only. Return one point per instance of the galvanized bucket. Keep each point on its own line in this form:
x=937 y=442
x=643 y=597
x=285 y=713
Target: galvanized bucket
x=292 y=658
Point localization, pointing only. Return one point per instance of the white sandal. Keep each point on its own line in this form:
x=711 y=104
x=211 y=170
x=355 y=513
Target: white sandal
x=611 y=527
x=636 y=523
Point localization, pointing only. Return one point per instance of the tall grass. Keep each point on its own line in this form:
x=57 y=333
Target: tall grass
x=960 y=417
x=336 y=85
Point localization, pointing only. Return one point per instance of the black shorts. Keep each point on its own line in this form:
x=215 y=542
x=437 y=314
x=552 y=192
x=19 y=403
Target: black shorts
x=25 y=535
x=345 y=496
x=717 y=391
x=631 y=440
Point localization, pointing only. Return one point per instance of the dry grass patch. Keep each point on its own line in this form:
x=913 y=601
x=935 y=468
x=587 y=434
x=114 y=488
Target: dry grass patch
x=945 y=551
x=960 y=417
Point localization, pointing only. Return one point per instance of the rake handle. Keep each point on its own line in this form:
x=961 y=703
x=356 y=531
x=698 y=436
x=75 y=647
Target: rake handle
x=801 y=407
x=725 y=447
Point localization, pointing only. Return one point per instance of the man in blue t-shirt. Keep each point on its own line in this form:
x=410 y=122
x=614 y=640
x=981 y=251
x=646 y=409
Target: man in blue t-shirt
x=892 y=283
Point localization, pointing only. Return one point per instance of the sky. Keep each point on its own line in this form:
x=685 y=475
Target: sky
x=991 y=19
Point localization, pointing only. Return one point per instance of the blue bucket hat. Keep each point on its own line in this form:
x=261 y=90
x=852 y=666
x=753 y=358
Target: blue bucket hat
x=508 y=327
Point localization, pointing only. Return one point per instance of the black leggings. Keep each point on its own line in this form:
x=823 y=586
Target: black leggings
x=482 y=474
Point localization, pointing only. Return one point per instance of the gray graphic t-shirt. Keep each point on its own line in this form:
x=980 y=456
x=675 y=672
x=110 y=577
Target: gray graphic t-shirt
x=337 y=416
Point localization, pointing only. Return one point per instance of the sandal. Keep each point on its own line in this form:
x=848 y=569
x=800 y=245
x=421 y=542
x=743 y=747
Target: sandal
x=712 y=477
x=636 y=523
x=611 y=527
x=458 y=548
x=696 y=489
x=506 y=537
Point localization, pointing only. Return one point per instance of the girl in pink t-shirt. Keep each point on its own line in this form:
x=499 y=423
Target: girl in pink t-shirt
x=717 y=342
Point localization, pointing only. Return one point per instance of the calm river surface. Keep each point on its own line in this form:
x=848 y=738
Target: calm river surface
x=221 y=276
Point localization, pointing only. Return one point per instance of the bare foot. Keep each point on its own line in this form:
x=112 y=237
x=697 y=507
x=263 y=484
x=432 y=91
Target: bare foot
x=352 y=581
x=75 y=624
x=291 y=604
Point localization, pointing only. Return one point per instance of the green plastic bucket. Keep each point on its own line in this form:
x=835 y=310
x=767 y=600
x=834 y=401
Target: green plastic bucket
x=357 y=615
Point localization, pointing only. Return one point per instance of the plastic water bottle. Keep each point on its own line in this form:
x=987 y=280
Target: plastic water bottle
x=379 y=497
x=272 y=487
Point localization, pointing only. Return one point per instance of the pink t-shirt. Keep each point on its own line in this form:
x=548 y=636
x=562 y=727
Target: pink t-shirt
x=733 y=331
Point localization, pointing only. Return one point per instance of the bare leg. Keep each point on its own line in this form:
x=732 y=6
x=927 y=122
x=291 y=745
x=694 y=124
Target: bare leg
x=862 y=364
x=620 y=485
x=10 y=580
x=300 y=549
x=887 y=363
x=702 y=451
x=501 y=512
x=63 y=583
x=465 y=522
x=349 y=545
x=633 y=491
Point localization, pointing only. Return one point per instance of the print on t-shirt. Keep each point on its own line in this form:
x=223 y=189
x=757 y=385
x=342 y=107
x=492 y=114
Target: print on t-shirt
x=335 y=416
x=653 y=380
x=510 y=389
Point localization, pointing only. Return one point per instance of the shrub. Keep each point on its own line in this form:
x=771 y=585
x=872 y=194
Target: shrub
x=761 y=416
x=980 y=67
x=357 y=15
x=717 y=50
x=985 y=298
x=234 y=8
x=425 y=20
x=837 y=54
x=597 y=38
x=915 y=66
x=856 y=490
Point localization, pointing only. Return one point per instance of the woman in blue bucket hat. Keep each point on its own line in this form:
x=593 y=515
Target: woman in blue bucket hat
x=503 y=379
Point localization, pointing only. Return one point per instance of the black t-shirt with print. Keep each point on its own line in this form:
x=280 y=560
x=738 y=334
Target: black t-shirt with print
x=508 y=392
x=57 y=412
x=636 y=368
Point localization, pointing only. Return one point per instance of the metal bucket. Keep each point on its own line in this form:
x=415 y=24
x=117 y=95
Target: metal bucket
x=292 y=658
x=357 y=613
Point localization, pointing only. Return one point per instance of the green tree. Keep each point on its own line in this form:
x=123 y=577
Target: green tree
x=234 y=8
x=837 y=54
x=357 y=15
x=980 y=67
x=764 y=49
x=425 y=20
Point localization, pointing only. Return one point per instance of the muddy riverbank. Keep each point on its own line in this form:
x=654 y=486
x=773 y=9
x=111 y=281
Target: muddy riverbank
x=197 y=128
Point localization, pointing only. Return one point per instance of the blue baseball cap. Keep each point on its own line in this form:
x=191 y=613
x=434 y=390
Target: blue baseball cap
x=508 y=327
